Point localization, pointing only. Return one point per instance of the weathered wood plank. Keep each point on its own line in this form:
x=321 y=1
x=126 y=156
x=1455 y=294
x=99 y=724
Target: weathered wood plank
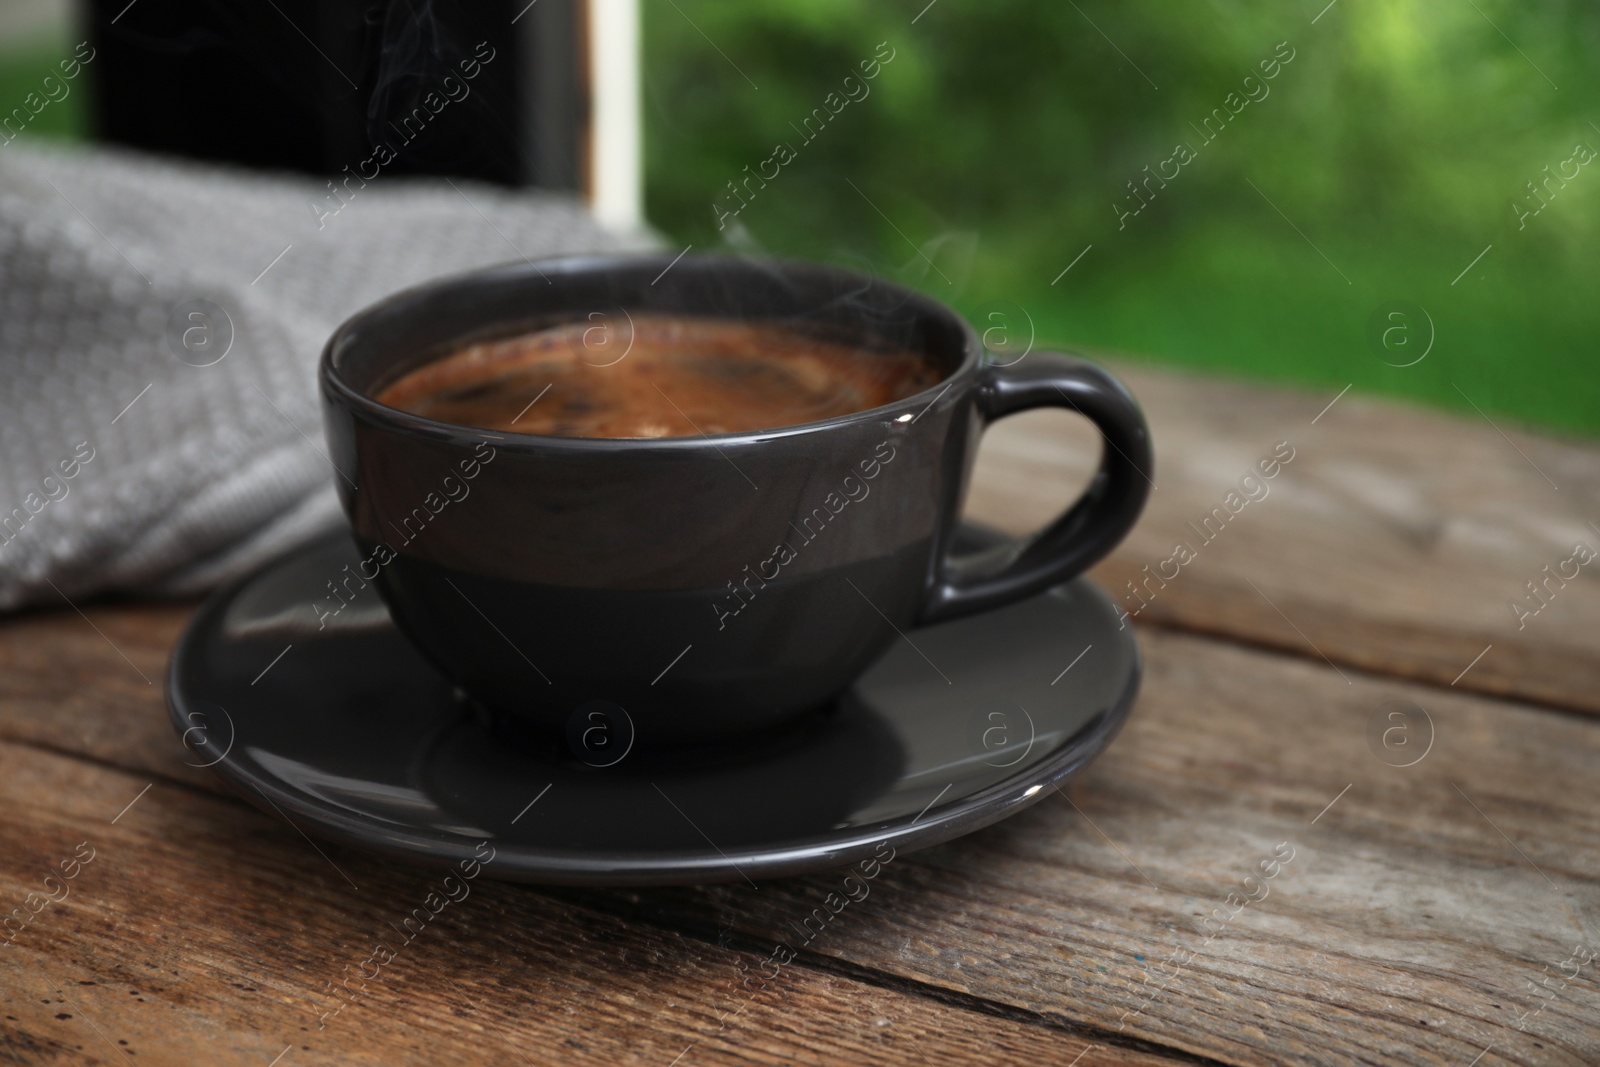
x=94 y=684
x=1395 y=540
x=1404 y=929
x=193 y=929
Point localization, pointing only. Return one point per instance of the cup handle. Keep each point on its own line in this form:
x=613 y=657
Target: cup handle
x=1092 y=526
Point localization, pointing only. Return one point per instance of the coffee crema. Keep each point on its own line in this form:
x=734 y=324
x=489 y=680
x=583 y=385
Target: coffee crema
x=656 y=376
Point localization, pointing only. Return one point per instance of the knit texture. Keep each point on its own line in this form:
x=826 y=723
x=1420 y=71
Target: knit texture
x=132 y=458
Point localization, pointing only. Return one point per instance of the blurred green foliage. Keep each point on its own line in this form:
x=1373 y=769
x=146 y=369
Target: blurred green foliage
x=999 y=141
x=24 y=65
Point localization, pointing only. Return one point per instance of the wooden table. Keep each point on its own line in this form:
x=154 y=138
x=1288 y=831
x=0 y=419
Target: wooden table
x=1443 y=912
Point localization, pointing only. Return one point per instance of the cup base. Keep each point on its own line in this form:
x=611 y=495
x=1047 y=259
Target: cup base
x=658 y=665
x=600 y=733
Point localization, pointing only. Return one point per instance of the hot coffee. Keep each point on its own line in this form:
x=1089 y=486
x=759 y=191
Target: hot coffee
x=705 y=587
x=656 y=376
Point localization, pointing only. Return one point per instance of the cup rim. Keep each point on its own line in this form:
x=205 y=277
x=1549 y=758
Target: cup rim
x=335 y=387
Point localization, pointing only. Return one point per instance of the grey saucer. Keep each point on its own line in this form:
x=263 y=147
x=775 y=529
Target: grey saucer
x=347 y=731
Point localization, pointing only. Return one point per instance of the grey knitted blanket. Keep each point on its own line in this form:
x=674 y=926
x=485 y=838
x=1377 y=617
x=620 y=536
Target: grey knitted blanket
x=160 y=325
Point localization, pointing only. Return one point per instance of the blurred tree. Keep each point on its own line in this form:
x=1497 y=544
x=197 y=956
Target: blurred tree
x=1000 y=141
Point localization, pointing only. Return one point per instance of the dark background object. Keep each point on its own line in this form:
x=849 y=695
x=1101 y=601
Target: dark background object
x=318 y=85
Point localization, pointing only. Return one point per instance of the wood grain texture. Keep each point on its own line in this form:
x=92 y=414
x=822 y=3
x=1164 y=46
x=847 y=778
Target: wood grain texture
x=202 y=931
x=93 y=684
x=1402 y=931
x=1427 y=914
x=1405 y=929
x=1395 y=540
